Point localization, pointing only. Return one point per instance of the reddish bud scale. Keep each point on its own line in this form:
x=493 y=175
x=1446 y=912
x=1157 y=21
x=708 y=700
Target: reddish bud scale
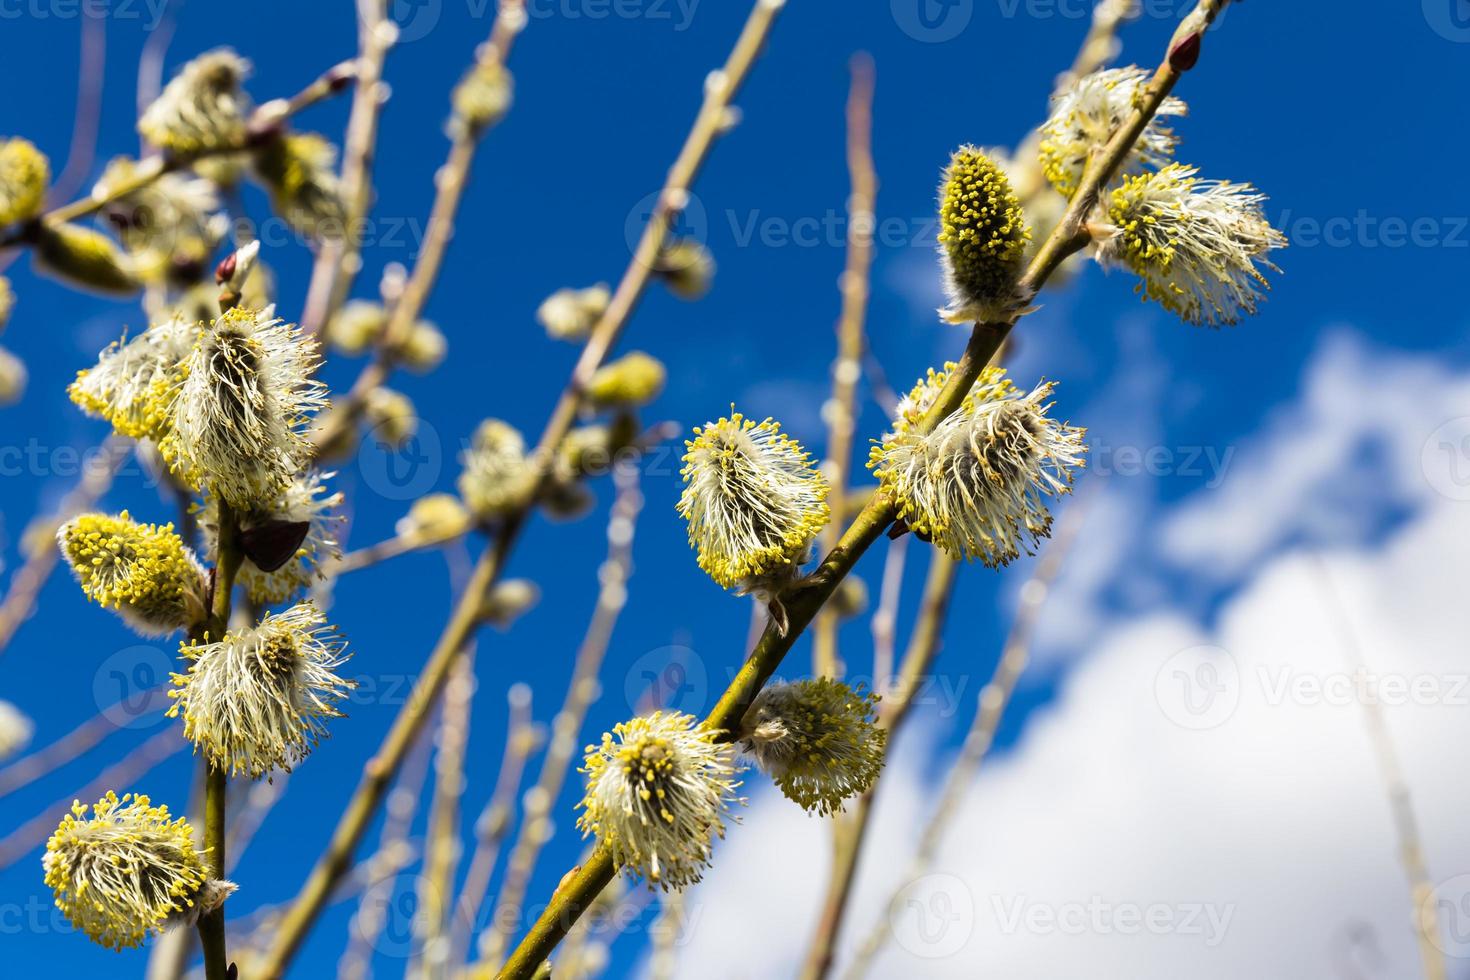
x=1185 y=54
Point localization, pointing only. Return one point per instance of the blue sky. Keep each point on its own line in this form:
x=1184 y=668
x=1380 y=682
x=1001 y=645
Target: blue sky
x=1331 y=122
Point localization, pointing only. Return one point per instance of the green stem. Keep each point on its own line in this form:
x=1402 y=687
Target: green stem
x=212 y=923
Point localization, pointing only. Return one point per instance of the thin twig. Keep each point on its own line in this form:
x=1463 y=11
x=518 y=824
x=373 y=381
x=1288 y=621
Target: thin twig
x=370 y=918
x=264 y=124
x=521 y=739
x=885 y=618
x=806 y=596
x=847 y=369
x=994 y=697
x=850 y=832
x=711 y=121
x=339 y=259
x=566 y=727
x=75 y=743
x=442 y=844
x=31 y=834
x=1396 y=786
x=450 y=184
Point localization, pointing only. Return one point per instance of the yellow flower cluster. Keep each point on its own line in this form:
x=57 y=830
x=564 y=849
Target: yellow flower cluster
x=144 y=571
x=753 y=500
x=657 y=790
x=817 y=739
x=125 y=871
x=24 y=174
x=983 y=233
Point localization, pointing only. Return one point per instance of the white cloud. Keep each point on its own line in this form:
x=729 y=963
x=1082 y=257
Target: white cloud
x=1123 y=836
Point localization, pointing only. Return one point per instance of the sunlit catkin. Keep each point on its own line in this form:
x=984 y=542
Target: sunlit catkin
x=976 y=485
x=259 y=700
x=753 y=500
x=127 y=870
x=982 y=239
x=817 y=740
x=143 y=571
x=658 y=788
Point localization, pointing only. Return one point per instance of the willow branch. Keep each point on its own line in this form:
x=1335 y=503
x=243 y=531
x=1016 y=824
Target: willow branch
x=847 y=370
x=710 y=122
x=450 y=183
x=806 y=596
x=339 y=259
x=1396 y=786
x=228 y=558
x=994 y=697
x=535 y=828
x=264 y=123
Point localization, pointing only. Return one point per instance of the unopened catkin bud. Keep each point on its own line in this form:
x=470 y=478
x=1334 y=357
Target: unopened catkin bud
x=84 y=258
x=424 y=349
x=687 y=268
x=508 y=601
x=357 y=326
x=202 y=108
x=982 y=238
x=24 y=174
x=483 y=96
x=299 y=169
x=12 y=378
x=390 y=417
x=7 y=302
x=570 y=314
x=435 y=515
x=633 y=380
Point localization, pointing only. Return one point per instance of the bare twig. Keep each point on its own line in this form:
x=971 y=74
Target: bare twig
x=803 y=598
x=521 y=739
x=31 y=834
x=711 y=121
x=339 y=259
x=841 y=408
x=566 y=727
x=1400 y=801
x=992 y=704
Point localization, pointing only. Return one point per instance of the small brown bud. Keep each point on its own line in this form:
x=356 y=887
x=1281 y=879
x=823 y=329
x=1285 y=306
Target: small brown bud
x=1185 y=54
